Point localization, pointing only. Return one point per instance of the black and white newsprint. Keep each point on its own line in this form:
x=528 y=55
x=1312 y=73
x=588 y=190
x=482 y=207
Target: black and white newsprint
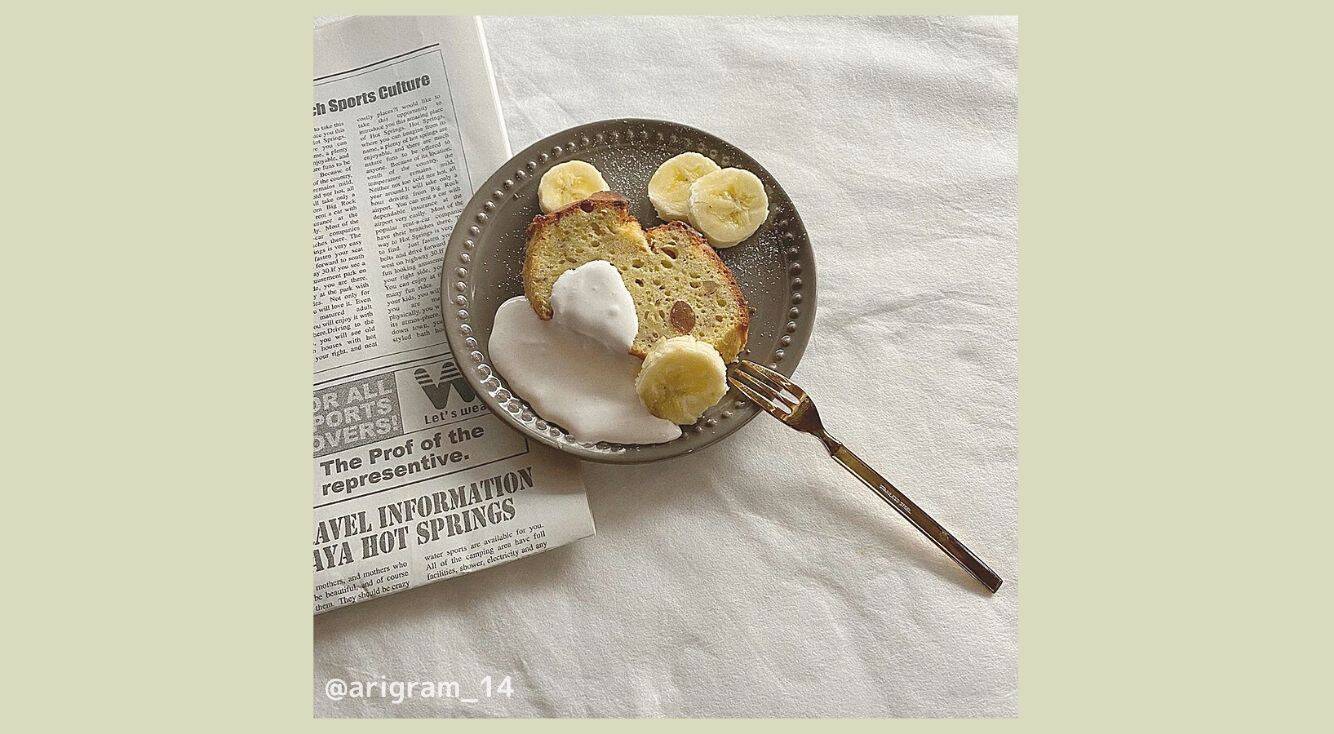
x=415 y=480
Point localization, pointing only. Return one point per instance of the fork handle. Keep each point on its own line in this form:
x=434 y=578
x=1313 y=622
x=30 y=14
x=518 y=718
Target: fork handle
x=916 y=515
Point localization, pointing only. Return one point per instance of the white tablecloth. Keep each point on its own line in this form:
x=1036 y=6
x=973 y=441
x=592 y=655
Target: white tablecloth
x=758 y=578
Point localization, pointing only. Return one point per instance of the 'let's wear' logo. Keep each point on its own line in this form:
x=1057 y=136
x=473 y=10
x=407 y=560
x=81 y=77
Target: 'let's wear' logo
x=438 y=390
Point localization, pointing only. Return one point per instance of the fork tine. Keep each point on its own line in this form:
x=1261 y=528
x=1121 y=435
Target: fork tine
x=761 y=387
x=774 y=379
x=768 y=405
x=768 y=388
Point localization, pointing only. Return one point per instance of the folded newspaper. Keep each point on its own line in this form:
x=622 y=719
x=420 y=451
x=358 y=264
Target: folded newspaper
x=415 y=480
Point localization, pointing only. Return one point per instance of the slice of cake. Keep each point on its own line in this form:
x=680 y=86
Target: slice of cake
x=676 y=279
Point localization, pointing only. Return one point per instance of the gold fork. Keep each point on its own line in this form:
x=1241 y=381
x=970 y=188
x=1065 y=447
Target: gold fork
x=790 y=404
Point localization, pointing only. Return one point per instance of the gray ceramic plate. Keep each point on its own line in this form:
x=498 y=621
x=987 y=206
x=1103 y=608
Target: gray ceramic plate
x=484 y=258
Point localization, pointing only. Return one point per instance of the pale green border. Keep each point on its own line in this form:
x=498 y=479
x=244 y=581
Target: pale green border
x=1175 y=364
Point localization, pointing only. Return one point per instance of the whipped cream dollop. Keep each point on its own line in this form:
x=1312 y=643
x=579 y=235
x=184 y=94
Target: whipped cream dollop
x=576 y=370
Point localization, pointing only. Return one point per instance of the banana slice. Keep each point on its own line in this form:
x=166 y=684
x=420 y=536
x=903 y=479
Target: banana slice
x=567 y=183
x=669 y=189
x=728 y=205
x=681 y=378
